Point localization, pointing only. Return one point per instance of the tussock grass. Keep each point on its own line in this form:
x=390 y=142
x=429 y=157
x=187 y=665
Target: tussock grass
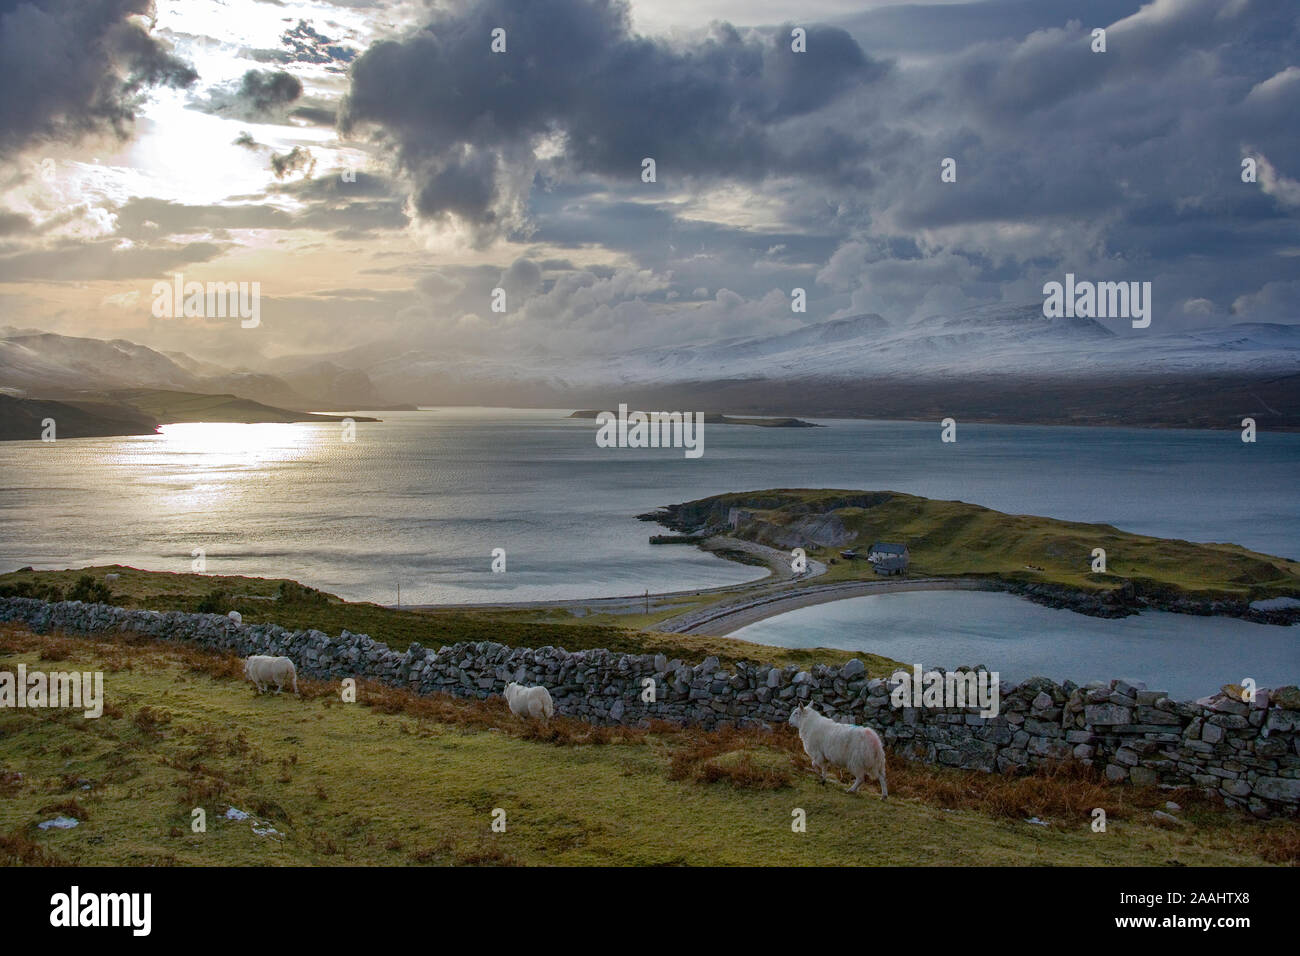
x=19 y=849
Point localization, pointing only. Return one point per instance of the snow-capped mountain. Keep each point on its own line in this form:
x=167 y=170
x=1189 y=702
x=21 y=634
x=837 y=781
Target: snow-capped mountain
x=990 y=340
x=43 y=360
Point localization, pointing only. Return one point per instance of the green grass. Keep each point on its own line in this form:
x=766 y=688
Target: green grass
x=390 y=783
x=951 y=538
x=254 y=598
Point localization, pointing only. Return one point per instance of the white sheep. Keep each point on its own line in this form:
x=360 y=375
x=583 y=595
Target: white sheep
x=111 y=578
x=844 y=745
x=263 y=670
x=236 y=617
x=529 y=701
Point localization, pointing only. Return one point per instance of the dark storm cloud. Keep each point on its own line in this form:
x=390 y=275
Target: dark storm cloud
x=465 y=120
x=148 y=219
x=298 y=159
x=1041 y=126
x=1121 y=164
x=264 y=90
x=12 y=223
x=151 y=219
x=931 y=29
x=694 y=252
x=259 y=96
x=77 y=66
x=86 y=261
x=315 y=115
x=334 y=188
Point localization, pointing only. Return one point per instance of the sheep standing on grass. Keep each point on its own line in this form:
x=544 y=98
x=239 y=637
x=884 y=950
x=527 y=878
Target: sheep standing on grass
x=263 y=671
x=532 y=702
x=843 y=745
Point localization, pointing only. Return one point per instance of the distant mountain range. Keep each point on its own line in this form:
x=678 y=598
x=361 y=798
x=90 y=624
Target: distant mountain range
x=994 y=363
x=45 y=365
x=984 y=341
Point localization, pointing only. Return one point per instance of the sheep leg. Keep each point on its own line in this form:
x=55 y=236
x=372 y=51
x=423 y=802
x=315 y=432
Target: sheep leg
x=856 y=783
x=820 y=768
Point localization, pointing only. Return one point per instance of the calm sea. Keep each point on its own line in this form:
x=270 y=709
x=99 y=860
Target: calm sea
x=1186 y=656
x=421 y=499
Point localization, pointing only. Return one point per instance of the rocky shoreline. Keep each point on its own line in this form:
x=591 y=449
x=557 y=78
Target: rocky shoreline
x=1134 y=598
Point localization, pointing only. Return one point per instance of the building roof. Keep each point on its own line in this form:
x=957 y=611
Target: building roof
x=884 y=547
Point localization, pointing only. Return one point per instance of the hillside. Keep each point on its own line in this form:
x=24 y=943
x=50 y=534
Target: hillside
x=21 y=419
x=136 y=412
x=173 y=407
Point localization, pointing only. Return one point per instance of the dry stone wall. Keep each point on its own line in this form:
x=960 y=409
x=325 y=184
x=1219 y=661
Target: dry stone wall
x=1246 y=752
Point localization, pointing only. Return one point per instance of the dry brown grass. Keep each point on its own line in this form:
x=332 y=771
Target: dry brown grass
x=742 y=758
x=10 y=783
x=1278 y=842
x=744 y=770
x=67 y=808
x=484 y=851
x=1064 y=793
x=151 y=720
x=19 y=849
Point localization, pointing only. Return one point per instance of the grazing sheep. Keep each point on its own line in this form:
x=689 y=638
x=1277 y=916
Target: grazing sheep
x=236 y=617
x=529 y=701
x=844 y=745
x=263 y=670
x=111 y=578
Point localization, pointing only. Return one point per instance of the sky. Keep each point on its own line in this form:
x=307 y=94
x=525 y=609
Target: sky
x=379 y=170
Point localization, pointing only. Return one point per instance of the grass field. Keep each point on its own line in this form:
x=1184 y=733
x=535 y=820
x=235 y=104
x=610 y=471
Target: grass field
x=401 y=779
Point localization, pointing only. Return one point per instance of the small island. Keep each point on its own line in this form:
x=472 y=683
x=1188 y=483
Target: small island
x=716 y=418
